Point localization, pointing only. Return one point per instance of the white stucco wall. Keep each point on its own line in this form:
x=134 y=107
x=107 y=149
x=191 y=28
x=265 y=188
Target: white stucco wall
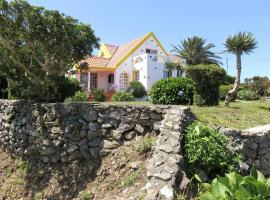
x=128 y=65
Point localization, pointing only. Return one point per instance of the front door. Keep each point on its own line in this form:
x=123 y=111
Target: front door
x=93 y=81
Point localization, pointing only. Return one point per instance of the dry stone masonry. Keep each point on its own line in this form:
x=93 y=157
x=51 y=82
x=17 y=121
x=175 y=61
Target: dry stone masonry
x=253 y=144
x=164 y=168
x=66 y=132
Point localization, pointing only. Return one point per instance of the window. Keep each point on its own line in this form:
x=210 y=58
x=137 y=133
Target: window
x=151 y=51
x=83 y=79
x=93 y=81
x=123 y=82
x=136 y=75
x=111 y=79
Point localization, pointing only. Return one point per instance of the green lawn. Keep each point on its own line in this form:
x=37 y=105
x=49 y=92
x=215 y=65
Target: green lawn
x=240 y=114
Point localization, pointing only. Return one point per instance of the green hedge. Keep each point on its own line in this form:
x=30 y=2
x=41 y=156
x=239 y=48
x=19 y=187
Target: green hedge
x=78 y=97
x=167 y=91
x=122 y=96
x=137 y=89
x=208 y=78
x=247 y=95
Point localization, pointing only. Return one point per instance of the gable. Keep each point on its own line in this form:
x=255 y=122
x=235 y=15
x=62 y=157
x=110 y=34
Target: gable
x=125 y=51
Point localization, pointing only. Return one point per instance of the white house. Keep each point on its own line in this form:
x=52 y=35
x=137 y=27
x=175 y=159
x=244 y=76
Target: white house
x=115 y=67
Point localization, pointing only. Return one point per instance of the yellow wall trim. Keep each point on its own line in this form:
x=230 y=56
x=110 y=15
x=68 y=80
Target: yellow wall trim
x=139 y=44
x=103 y=49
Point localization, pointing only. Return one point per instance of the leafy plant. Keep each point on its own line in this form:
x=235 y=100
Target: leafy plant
x=78 y=97
x=206 y=149
x=166 y=91
x=247 y=95
x=137 y=89
x=208 y=78
x=99 y=95
x=85 y=195
x=131 y=178
x=146 y=144
x=236 y=187
x=122 y=96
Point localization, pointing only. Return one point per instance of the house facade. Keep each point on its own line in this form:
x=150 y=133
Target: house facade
x=114 y=67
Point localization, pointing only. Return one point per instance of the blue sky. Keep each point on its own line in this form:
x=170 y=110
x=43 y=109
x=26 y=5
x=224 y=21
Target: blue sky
x=118 y=21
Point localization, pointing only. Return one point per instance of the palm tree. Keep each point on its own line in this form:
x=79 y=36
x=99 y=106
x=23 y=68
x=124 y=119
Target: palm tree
x=239 y=44
x=195 y=51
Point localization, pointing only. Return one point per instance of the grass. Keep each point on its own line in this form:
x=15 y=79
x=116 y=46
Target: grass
x=240 y=114
x=146 y=145
x=130 y=179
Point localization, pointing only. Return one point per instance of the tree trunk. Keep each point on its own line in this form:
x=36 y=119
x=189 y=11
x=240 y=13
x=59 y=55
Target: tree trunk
x=234 y=90
x=170 y=72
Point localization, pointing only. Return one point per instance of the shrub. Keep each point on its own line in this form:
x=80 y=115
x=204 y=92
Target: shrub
x=137 y=89
x=99 y=95
x=223 y=91
x=50 y=89
x=247 y=95
x=197 y=99
x=3 y=87
x=208 y=78
x=206 y=149
x=235 y=186
x=259 y=85
x=122 y=96
x=166 y=91
x=78 y=97
x=228 y=80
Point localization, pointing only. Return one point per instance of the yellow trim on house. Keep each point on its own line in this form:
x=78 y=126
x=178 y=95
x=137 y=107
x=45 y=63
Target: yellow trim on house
x=139 y=44
x=103 y=49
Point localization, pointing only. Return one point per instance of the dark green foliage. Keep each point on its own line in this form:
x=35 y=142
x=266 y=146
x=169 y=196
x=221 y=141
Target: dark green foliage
x=46 y=91
x=99 y=95
x=166 y=91
x=80 y=96
x=228 y=80
x=259 y=85
x=137 y=89
x=247 y=95
x=37 y=46
x=237 y=187
x=3 y=88
x=206 y=149
x=223 y=91
x=208 y=78
x=122 y=96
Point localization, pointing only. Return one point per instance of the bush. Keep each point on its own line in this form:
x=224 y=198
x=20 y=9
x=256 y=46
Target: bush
x=228 y=80
x=3 y=87
x=50 y=89
x=99 y=95
x=206 y=149
x=235 y=186
x=208 y=78
x=78 y=97
x=247 y=95
x=137 y=89
x=122 y=96
x=172 y=91
x=223 y=91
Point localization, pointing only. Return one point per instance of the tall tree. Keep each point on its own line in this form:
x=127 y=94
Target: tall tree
x=195 y=51
x=239 y=44
x=37 y=45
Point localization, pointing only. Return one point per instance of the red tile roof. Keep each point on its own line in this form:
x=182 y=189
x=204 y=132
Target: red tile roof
x=94 y=61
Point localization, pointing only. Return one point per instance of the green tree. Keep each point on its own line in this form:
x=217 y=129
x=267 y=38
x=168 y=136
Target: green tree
x=239 y=44
x=195 y=51
x=37 y=46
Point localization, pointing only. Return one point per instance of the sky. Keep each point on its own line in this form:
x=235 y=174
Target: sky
x=119 y=21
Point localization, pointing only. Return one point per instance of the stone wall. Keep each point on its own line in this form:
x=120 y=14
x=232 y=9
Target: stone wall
x=253 y=144
x=66 y=132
